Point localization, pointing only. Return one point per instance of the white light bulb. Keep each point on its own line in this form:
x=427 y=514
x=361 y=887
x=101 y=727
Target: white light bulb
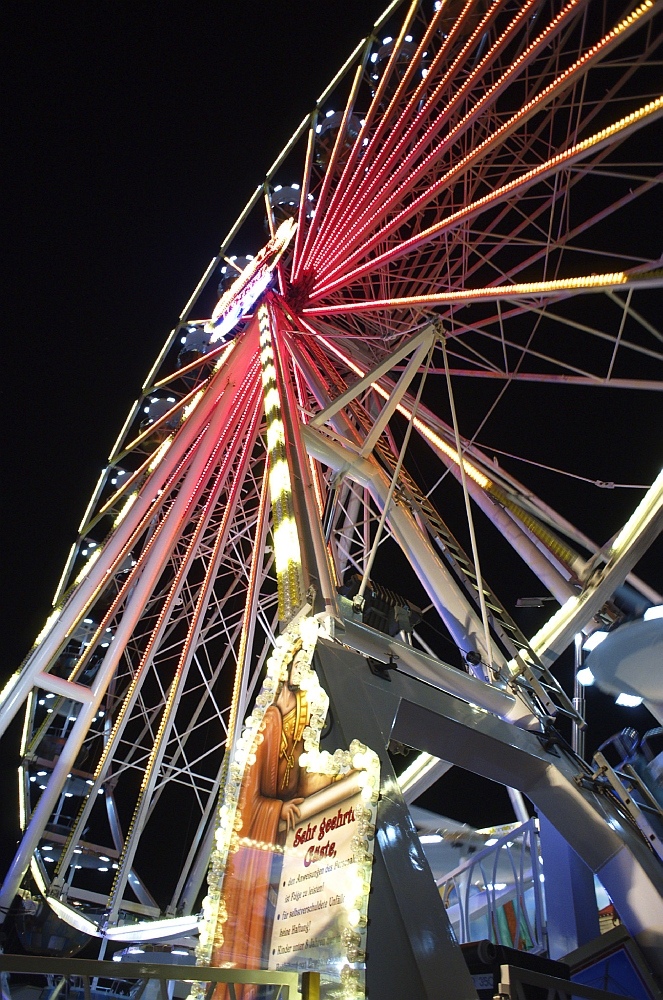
x=628 y=700
x=585 y=677
x=595 y=639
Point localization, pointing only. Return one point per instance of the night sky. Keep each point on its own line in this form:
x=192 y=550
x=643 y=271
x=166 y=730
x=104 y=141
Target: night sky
x=135 y=133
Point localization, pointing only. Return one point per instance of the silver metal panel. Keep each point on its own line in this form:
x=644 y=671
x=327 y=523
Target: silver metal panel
x=411 y=946
x=590 y=822
x=571 y=911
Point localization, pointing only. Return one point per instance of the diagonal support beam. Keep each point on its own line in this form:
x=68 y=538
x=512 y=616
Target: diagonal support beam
x=399 y=391
x=66 y=689
x=421 y=340
x=463 y=623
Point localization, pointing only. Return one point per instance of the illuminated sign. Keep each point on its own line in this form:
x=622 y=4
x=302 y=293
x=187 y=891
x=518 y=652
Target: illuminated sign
x=290 y=874
x=321 y=896
x=247 y=288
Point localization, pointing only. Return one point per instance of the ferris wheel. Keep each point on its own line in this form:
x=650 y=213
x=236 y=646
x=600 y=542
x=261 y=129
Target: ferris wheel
x=460 y=232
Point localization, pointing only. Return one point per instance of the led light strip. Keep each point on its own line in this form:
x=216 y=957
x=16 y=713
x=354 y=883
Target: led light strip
x=245 y=393
x=493 y=292
x=647 y=509
x=429 y=135
x=287 y=554
x=596 y=50
x=245 y=403
x=251 y=283
x=516 y=186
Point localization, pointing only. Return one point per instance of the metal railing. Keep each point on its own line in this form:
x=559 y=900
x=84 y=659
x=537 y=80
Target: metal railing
x=518 y=984
x=497 y=894
x=76 y=975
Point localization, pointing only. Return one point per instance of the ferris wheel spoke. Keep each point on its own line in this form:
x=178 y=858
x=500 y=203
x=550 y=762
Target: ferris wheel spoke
x=371 y=114
x=195 y=628
x=331 y=168
x=461 y=245
x=563 y=242
x=405 y=164
x=374 y=151
x=420 y=106
x=552 y=90
x=619 y=129
x=303 y=215
x=199 y=463
x=435 y=183
x=568 y=373
x=467 y=246
x=638 y=317
x=580 y=380
x=556 y=288
x=147 y=667
x=440 y=438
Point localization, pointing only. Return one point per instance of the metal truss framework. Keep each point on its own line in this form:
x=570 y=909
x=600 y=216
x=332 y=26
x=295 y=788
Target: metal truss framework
x=476 y=188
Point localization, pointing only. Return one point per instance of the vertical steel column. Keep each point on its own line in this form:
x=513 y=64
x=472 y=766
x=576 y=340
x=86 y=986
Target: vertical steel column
x=309 y=528
x=571 y=910
x=577 y=733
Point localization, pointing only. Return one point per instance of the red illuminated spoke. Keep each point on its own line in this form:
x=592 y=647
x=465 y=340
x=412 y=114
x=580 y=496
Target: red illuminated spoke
x=492 y=142
x=403 y=156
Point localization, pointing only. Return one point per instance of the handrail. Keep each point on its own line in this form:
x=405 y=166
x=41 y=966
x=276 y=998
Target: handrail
x=86 y=969
x=470 y=905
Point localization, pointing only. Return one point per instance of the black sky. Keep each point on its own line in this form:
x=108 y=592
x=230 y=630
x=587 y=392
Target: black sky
x=134 y=134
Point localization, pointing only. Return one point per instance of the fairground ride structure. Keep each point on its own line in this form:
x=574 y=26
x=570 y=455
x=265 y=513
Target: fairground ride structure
x=470 y=234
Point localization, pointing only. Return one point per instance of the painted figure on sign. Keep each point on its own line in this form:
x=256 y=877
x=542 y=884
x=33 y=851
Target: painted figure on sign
x=273 y=788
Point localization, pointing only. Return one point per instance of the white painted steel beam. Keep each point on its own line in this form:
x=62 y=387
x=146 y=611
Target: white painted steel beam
x=400 y=389
x=540 y=560
x=449 y=600
x=65 y=688
x=422 y=339
x=440 y=675
x=632 y=541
